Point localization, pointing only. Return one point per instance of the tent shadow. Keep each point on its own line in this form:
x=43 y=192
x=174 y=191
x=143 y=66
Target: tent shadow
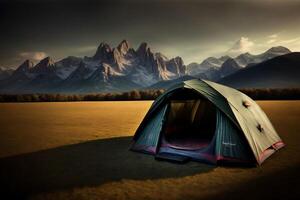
x=86 y=164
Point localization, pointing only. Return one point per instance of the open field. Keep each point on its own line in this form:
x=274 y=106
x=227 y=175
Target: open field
x=79 y=150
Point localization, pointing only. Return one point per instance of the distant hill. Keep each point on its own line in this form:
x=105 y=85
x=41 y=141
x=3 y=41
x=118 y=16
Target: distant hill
x=279 y=72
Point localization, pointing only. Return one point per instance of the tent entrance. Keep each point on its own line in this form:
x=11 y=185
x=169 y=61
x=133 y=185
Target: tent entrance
x=190 y=124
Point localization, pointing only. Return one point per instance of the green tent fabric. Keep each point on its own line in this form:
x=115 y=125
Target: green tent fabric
x=242 y=128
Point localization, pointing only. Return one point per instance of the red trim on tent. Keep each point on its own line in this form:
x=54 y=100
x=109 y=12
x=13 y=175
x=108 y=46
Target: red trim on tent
x=265 y=154
x=192 y=148
x=269 y=151
x=194 y=155
x=144 y=148
x=209 y=157
x=278 y=145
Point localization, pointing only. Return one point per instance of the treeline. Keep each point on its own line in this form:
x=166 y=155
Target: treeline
x=256 y=94
x=124 y=96
x=273 y=94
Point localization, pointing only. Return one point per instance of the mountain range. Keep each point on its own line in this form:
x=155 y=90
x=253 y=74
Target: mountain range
x=230 y=71
x=215 y=68
x=122 y=68
x=109 y=69
x=279 y=72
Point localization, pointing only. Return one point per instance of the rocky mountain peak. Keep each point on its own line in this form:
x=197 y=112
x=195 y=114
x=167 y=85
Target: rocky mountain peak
x=211 y=62
x=230 y=63
x=104 y=45
x=228 y=67
x=47 y=61
x=145 y=55
x=179 y=60
x=245 y=58
x=143 y=48
x=102 y=52
x=46 y=65
x=247 y=54
x=224 y=58
x=25 y=66
x=161 y=56
x=211 y=59
x=176 y=66
x=123 y=47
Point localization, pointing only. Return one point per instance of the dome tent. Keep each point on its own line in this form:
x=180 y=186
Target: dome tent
x=205 y=121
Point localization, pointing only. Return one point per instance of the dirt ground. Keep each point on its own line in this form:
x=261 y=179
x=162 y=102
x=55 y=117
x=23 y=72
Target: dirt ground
x=80 y=151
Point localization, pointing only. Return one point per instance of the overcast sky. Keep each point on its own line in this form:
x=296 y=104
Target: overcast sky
x=193 y=30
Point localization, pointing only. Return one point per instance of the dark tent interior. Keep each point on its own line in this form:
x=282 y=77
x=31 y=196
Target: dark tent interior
x=190 y=122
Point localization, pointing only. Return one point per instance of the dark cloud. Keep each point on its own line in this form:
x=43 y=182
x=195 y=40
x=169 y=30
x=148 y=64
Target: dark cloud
x=60 y=28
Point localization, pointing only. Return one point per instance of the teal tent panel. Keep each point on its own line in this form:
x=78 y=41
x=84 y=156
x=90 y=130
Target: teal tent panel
x=229 y=140
x=159 y=102
x=150 y=134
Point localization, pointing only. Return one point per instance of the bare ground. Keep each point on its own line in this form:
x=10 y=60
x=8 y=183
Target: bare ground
x=80 y=151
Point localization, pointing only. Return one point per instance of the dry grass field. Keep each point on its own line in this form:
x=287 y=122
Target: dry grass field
x=80 y=151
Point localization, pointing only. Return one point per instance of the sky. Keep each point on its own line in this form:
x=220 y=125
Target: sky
x=192 y=29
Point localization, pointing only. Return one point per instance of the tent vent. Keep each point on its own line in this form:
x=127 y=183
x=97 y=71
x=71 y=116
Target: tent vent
x=260 y=128
x=246 y=104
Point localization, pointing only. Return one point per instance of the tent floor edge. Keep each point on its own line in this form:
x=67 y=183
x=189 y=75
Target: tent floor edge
x=174 y=158
x=145 y=150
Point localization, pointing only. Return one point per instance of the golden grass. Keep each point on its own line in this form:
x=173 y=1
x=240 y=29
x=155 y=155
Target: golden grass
x=28 y=127
x=80 y=151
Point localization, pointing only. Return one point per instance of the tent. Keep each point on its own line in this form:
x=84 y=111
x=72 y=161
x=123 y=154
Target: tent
x=209 y=122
